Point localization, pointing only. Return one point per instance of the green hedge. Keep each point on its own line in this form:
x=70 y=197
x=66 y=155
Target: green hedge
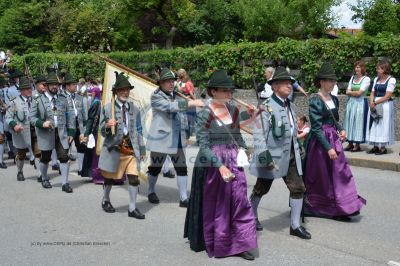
x=243 y=60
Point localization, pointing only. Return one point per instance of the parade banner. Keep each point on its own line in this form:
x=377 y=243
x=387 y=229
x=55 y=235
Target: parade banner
x=140 y=95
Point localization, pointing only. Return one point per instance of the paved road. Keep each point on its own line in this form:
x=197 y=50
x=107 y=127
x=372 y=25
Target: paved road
x=36 y=226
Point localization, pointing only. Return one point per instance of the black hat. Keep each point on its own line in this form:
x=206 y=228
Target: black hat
x=52 y=78
x=121 y=82
x=24 y=83
x=40 y=79
x=220 y=79
x=68 y=79
x=280 y=74
x=16 y=74
x=326 y=72
x=166 y=74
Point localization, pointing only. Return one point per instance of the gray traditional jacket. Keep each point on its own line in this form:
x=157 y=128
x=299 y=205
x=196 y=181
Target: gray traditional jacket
x=18 y=113
x=80 y=109
x=169 y=123
x=42 y=111
x=110 y=152
x=280 y=141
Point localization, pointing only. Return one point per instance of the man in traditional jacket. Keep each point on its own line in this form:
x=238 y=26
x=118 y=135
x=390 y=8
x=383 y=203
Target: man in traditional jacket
x=75 y=102
x=168 y=135
x=55 y=128
x=18 y=120
x=277 y=152
x=121 y=152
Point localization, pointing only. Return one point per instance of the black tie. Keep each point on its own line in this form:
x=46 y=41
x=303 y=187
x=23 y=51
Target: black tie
x=29 y=103
x=53 y=101
x=286 y=103
x=73 y=96
x=124 y=114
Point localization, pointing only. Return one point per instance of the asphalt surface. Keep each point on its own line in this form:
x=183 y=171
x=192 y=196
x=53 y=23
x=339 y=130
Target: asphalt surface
x=50 y=227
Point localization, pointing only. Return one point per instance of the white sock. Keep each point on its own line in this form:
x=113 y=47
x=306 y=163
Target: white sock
x=43 y=170
x=37 y=165
x=182 y=185
x=53 y=157
x=80 y=160
x=106 y=192
x=297 y=205
x=133 y=191
x=64 y=168
x=152 y=183
x=1 y=152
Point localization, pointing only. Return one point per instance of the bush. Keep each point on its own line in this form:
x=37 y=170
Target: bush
x=243 y=60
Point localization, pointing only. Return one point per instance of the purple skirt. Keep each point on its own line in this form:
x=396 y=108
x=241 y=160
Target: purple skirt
x=228 y=219
x=330 y=186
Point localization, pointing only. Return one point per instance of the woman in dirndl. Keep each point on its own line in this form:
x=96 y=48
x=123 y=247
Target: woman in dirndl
x=219 y=218
x=330 y=187
x=380 y=123
x=355 y=122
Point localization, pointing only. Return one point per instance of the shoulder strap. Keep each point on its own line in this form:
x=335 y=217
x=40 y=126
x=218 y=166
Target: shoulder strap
x=329 y=110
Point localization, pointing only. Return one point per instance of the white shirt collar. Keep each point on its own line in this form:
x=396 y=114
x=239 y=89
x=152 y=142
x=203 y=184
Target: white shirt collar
x=121 y=103
x=50 y=96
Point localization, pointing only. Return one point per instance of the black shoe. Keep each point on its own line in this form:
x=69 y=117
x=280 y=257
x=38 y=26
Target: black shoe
x=184 y=203
x=3 y=166
x=79 y=172
x=66 y=188
x=107 y=207
x=39 y=179
x=300 y=232
x=373 y=150
x=72 y=157
x=342 y=218
x=381 y=151
x=46 y=184
x=136 y=214
x=153 y=198
x=246 y=255
x=55 y=167
x=259 y=227
x=169 y=174
x=20 y=176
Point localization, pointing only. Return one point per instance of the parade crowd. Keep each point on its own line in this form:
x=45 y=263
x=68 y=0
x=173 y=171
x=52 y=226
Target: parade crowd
x=42 y=118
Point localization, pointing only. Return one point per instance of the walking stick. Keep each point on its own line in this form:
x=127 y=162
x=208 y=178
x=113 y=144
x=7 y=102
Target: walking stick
x=113 y=113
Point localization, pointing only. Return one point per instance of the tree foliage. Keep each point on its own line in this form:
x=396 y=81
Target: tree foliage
x=378 y=15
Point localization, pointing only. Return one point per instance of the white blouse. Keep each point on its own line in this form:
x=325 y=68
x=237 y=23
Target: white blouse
x=365 y=81
x=391 y=84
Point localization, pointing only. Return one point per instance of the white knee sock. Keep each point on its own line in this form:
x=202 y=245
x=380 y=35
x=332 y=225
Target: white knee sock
x=1 y=152
x=133 y=191
x=53 y=157
x=297 y=205
x=64 y=168
x=37 y=165
x=80 y=160
x=152 y=183
x=182 y=185
x=106 y=192
x=43 y=170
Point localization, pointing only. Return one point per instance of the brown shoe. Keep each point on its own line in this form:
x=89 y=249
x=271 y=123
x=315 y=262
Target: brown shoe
x=356 y=148
x=349 y=147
